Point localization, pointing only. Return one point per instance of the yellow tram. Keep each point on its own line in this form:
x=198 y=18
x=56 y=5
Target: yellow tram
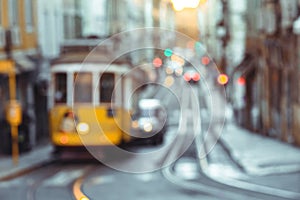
x=89 y=102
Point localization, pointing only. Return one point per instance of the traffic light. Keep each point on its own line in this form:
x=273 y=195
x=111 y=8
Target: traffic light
x=157 y=62
x=205 y=60
x=241 y=81
x=223 y=79
x=168 y=52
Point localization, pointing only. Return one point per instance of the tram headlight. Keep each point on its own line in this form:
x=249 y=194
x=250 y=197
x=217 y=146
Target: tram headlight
x=83 y=128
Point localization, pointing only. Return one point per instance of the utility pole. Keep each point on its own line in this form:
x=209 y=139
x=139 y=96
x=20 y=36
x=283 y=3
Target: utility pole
x=13 y=108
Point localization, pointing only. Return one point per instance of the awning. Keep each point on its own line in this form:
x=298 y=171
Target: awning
x=245 y=67
x=24 y=64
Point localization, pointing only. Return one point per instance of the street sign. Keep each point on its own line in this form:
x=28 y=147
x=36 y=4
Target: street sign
x=14 y=113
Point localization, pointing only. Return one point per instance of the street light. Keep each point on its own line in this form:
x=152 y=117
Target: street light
x=223 y=79
x=181 y=4
x=178 y=5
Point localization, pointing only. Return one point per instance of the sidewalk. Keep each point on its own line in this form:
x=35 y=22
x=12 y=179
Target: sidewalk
x=27 y=161
x=259 y=155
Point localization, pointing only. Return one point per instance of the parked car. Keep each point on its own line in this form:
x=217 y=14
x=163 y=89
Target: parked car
x=149 y=123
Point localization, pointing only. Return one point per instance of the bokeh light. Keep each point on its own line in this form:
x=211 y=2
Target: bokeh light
x=169 y=81
x=169 y=70
x=205 y=60
x=168 y=52
x=223 y=79
x=157 y=62
x=241 y=81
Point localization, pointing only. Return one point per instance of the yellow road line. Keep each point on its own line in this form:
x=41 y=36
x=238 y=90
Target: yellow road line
x=78 y=194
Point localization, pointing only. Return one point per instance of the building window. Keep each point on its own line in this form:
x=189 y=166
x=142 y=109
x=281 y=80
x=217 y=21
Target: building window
x=72 y=19
x=13 y=9
x=1 y=8
x=13 y=13
x=2 y=34
x=29 y=15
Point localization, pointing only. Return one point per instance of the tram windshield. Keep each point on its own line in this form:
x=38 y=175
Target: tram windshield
x=83 y=87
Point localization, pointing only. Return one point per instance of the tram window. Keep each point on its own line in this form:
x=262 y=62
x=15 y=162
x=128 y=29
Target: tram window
x=60 y=94
x=83 y=87
x=107 y=84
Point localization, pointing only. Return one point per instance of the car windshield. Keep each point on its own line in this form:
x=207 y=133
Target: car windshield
x=148 y=113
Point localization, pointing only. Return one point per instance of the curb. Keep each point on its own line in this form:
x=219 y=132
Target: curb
x=12 y=174
x=257 y=171
x=35 y=159
x=244 y=185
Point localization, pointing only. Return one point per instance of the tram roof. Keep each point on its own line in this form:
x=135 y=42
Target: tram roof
x=83 y=61
x=88 y=57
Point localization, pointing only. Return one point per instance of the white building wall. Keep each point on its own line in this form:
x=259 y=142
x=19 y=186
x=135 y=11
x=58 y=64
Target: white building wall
x=289 y=12
x=211 y=32
x=94 y=15
x=50 y=27
x=209 y=16
x=238 y=32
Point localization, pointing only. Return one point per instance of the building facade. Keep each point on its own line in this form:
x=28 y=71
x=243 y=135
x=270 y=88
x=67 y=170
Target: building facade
x=18 y=43
x=260 y=45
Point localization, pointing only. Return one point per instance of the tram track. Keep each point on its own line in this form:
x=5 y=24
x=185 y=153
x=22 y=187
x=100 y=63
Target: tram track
x=221 y=187
x=34 y=186
x=234 y=183
x=76 y=184
x=50 y=174
x=196 y=186
x=243 y=186
x=206 y=183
